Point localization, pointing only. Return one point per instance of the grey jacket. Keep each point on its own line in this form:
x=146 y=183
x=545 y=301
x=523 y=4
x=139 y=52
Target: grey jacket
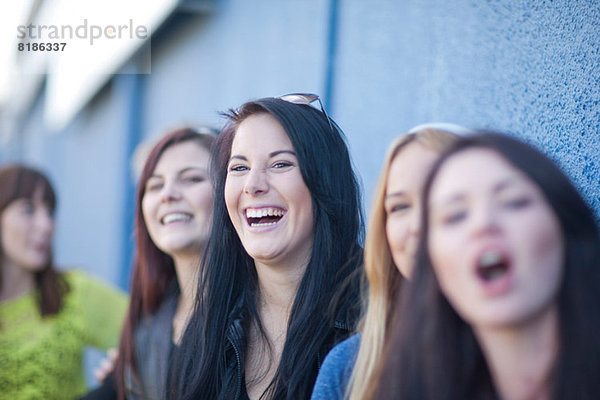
x=153 y=345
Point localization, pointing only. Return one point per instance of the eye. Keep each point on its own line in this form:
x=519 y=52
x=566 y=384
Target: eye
x=282 y=164
x=194 y=179
x=28 y=208
x=397 y=208
x=454 y=217
x=153 y=186
x=238 y=168
x=517 y=203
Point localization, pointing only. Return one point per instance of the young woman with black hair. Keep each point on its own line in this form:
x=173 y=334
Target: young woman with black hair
x=504 y=302
x=280 y=284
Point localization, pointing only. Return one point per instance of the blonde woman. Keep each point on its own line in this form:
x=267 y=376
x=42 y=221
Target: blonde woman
x=389 y=256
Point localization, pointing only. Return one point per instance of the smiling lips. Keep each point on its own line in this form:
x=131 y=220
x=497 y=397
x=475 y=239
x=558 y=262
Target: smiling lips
x=264 y=216
x=175 y=217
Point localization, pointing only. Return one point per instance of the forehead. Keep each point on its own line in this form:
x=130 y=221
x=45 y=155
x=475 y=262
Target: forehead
x=474 y=171
x=260 y=133
x=409 y=168
x=38 y=195
x=183 y=155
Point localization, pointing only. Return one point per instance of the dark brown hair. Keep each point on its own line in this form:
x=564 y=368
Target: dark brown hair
x=21 y=182
x=432 y=353
x=153 y=269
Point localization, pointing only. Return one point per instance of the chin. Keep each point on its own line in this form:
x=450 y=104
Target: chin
x=505 y=318
x=36 y=266
x=262 y=255
x=181 y=247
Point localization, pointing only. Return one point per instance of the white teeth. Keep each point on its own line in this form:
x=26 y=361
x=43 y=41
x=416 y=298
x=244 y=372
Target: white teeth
x=175 y=217
x=490 y=258
x=263 y=224
x=263 y=212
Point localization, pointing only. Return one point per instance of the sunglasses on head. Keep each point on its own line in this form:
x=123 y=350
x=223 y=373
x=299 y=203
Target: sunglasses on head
x=306 y=99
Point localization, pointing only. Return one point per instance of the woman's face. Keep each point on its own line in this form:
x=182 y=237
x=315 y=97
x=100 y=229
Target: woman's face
x=495 y=243
x=266 y=197
x=406 y=178
x=27 y=229
x=178 y=200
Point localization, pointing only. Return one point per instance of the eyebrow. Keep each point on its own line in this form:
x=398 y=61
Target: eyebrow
x=506 y=183
x=271 y=155
x=395 y=194
x=184 y=170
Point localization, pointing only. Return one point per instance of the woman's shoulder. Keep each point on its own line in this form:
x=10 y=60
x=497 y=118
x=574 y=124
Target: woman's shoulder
x=79 y=280
x=344 y=351
x=336 y=370
x=90 y=294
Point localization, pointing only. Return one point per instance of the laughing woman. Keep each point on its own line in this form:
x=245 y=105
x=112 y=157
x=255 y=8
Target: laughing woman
x=174 y=205
x=279 y=288
x=508 y=276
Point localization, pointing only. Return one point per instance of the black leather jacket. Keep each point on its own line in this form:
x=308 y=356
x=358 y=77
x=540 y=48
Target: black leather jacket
x=236 y=343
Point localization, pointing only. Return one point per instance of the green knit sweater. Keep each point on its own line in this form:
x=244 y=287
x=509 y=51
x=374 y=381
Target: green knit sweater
x=41 y=358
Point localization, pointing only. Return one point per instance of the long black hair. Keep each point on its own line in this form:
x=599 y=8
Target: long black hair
x=432 y=352
x=328 y=289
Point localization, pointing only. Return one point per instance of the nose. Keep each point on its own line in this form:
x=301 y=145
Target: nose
x=256 y=182
x=170 y=192
x=484 y=220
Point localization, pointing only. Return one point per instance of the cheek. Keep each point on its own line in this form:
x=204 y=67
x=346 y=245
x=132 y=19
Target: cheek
x=147 y=210
x=294 y=188
x=204 y=198
x=231 y=194
x=543 y=247
x=13 y=238
x=396 y=230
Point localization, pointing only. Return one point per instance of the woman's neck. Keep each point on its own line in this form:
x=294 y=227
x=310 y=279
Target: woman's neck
x=278 y=287
x=521 y=358
x=186 y=270
x=16 y=281
x=277 y=291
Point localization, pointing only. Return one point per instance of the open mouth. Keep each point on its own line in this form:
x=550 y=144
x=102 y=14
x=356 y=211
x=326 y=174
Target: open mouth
x=265 y=216
x=175 y=217
x=492 y=265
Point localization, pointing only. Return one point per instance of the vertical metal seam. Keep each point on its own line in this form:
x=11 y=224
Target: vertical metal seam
x=134 y=93
x=331 y=55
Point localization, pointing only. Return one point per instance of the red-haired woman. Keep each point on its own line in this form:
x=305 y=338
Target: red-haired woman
x=173 y=212
x=46 y=316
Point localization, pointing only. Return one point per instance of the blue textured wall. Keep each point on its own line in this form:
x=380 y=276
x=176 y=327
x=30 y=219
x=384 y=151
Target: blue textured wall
x=532 y=68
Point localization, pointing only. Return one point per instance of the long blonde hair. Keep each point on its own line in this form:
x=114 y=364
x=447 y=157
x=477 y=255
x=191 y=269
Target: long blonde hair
x=381 y=272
